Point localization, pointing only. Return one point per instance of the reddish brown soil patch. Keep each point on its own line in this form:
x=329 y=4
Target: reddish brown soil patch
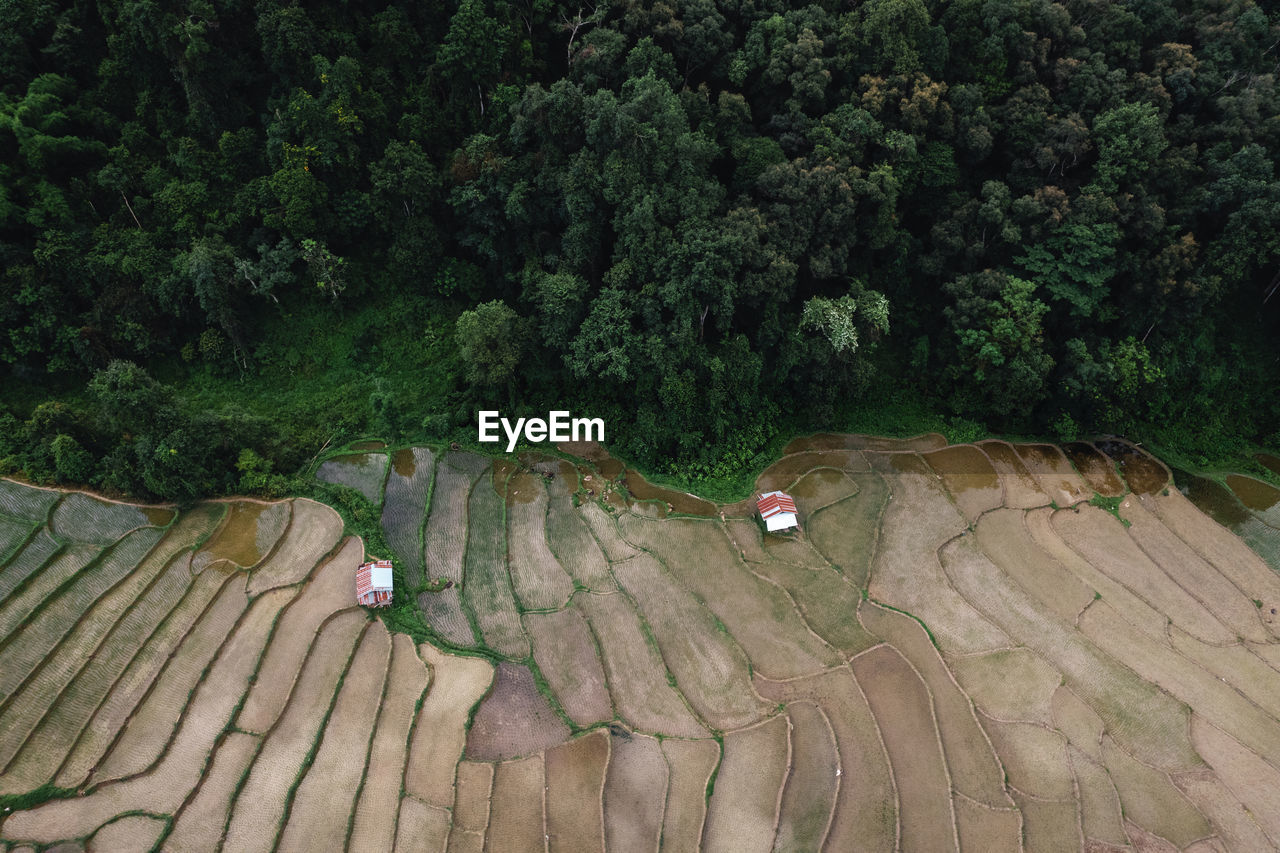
x=514 y=719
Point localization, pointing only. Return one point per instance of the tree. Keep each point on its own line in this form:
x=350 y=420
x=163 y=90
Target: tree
x=493 y=341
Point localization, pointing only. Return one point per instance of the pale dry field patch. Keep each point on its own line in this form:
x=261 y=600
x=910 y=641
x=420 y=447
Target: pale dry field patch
x=1034 y=757
x=1080 y=723
x=471 y=804
x=444 y=545
x=407 y=680
x=332 y=588
x=439 y=733
x=761 y=617
x=566 y=654
x=866 y=814
x=517 y=817
x=968 y=475
x=264 y=800
x=1100 y=816
x=129 y=834
x=421 y=827
x=1053 y=472
x=45 y=580
x=902 y=707
x=536 y=576
x=314 y=532
x=575 y=774
x=918 y=519
x=637 y=675
x=200 y=822
x=1008 y=684
x=742 y=814
x=1049 y=826
x=35 y=554
x=709 y=667
x=1254 y=782
x=635 y=793
x=605 y=529
x=28 y=503
x=1102 y=540
x=1150 y=800
x=1136 y=712
x=1237 y=665
x=571 y=541
x=166 y=786
x=323 y=805
x=982 y=828
x=809 y=795
x=515 y=719
x=1232 y=821
x=689 y=767
x=1004 y=538
x=150 y=724
x=846 y=532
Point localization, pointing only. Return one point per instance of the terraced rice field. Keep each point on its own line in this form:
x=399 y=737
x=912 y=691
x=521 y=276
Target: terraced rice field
x=957 y=651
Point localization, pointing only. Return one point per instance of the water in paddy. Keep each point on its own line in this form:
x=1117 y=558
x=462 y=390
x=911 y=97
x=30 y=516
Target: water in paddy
x=502 y=471
x=819 y=483
x=368 y=445
x=403 y=463
x=681 y=502
x=1144 y=474
x=157 y=516
x=523 y=487
x=1254 y=494
x=1097 y=469
x=1272 y=462
x=1212 y=498
x=963 y=467
x=237 y=540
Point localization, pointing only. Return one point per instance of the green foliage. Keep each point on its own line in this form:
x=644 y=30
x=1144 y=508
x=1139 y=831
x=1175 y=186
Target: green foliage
x=1111 y=505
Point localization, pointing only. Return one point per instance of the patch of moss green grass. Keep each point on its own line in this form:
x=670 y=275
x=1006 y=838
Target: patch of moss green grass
x=1111 y=505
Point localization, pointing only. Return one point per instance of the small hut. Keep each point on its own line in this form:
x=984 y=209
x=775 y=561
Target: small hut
x=373 y=584
x=778 y=511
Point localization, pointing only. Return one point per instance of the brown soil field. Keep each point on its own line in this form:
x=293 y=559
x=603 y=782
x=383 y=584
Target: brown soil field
x=445 y=535
x=975 y=773
x=819 y=488
x=43 y=581
x=969 y=476
x=536 y=576
x=575 y=774
x=787 y=470
x=845 y=533
x=204 y=816
x=605 y=531
x=324 y=804
x=264 y=800
x=918 y=519
x=1234 y=824
x=1255 y=783
x=314 y=531
x=407 y=680
x=486 y=585
x=471 y=805
x=866 y=816
x=635 y=792
x=248 y=532
x=28 y=503
x=439 y=734
x=1004 y=538
x=900 y=702
x=690 y=764
x=637 y=675
x=129 y=834
x=421 y=827
x=742 y=814
x=404 y=507
x=809 y=796
x=566 y=654
x=515 y=719
x=1080 y=723
x=1150 y=799
x=1100 y=817
x=1021 y=488
x=81 y=518
x=571 y=540
x=1009 y=684
x=678 y=502
x=1143 y=473
x=982 y=828
x=150 y=724
x=1053 y=472
x=710 y=669
x=517 y=820
x=1034 y=758
x=332 y=588
x=364 y=472
x=1238 y=665
x=761 y=617
x=840 y=441
x=1049 y=826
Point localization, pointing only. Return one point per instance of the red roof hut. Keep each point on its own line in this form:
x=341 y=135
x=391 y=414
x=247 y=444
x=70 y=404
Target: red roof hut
x=373 y=584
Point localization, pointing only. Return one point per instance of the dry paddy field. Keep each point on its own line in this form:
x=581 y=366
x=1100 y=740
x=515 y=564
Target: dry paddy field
x=957 y=652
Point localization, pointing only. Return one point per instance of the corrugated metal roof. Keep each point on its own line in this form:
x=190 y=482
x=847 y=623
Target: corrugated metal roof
x=772 y=503
x=373 y=583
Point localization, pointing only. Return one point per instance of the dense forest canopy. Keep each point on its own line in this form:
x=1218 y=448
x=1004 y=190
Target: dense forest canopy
x=698 y=218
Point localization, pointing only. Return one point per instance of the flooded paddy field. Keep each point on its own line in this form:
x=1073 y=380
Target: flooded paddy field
x=955 y=651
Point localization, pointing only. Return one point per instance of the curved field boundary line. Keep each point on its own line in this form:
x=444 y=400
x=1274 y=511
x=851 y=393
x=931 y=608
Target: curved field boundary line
x=50 y=740
x=16 y=497
x=1034 y=756
x=635 y=793
x=1100 y=814
x=279 y=540
x=379 y=795
x=1250 y=779
x=199 y=821
x=164 y=787
x=575 y=776
x=742 y=815
x=691 y=765
x=518 y=818
x=568 y=657
x=35 y=554
x=420 y=826
x=486 y=581
x=812 y=786
x=133 y=685
x=537 y=578
x=1151 y=800
x=314 y=536
x=262 y=806
x=14 y=533
x=1232 y=821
